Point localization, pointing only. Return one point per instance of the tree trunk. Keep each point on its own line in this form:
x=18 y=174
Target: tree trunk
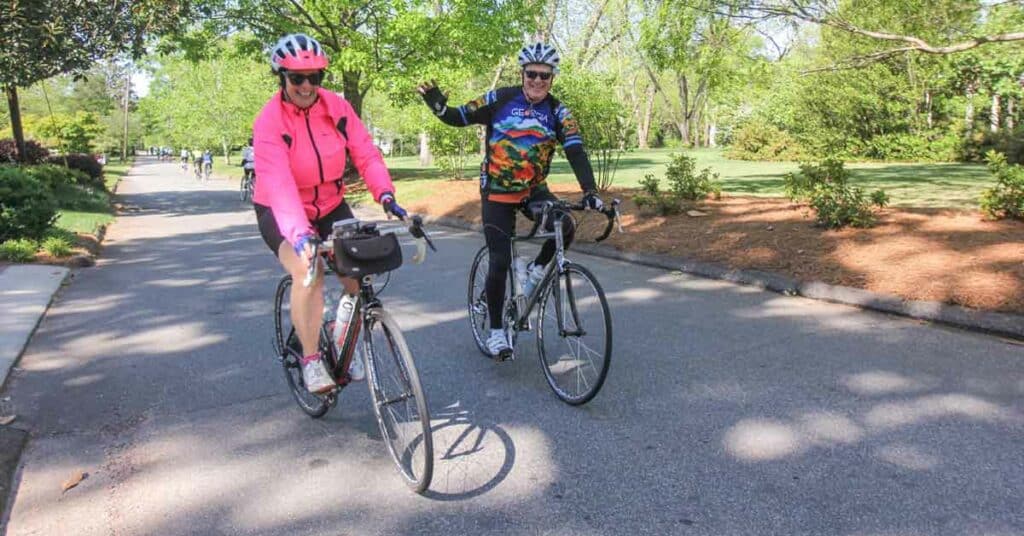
x=19 y=134
x=993 y=119
x=712 y=132
x=969 y=110
x=684 y=95
x=350 y=88
x=127 y=92
x=1011 y=111
x=425 y=157
x=644 y=124
x=227 y=152
x=928 y=108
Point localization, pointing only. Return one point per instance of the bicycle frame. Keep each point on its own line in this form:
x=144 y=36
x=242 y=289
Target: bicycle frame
x=525 y=304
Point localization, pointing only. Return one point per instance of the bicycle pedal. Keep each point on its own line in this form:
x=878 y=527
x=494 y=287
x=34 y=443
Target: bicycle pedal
x=505 y=355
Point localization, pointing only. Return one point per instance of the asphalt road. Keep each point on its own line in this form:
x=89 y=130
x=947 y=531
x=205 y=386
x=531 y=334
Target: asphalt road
x=728 y=410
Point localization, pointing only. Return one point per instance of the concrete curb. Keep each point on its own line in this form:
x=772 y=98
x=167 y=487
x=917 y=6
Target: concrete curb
x=1004 y=324
x=26 y=292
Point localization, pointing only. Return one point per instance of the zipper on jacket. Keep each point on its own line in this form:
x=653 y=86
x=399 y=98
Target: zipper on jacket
x=319 y=165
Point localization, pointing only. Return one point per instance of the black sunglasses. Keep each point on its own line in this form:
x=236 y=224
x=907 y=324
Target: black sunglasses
x=297 y=79
x=534 y=74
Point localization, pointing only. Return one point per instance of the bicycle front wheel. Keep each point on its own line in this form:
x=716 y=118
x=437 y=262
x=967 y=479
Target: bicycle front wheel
x=398 y=400
x=574 y=335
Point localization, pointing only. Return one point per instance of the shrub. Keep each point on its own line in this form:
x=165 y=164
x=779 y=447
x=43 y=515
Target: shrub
x=1006 y=198
x=54 y=177
x=58 y=246
x=977 y=145
x=757 y=139
x=658 y=202
x=85 y=163
x=826 y=188
x=933 y=146
x=18 y=250
x=800 y=185
x=879 y=198
x=686 y=184
x=34 y=152
x=27 y=207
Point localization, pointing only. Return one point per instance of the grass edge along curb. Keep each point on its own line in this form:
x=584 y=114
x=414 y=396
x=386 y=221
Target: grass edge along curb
x=996 y=323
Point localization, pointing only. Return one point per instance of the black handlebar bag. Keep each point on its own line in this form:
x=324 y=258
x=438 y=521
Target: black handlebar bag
x=357 y=256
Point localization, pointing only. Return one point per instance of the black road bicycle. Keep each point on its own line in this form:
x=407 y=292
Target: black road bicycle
x=361 y=251
x=573 y=323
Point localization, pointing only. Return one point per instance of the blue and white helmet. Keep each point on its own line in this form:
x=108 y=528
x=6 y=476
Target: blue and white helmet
x=539 y=53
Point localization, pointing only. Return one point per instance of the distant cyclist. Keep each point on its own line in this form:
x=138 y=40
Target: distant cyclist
x=302 y=137
x=184 y=159
x=207 y=163
x=248 y=162
x=524 y=124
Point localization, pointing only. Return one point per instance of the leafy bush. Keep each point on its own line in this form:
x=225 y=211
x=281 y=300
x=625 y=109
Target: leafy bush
x=826 y=188
x=975 y=147
x=1006 y=198
x=85 y=163
x=18 y=250
x=659 y=203
x=929 y=146
x=757 y=139
x=686 y=184
x=58 y=246
x=27 y=206
x=879 y=198
x=34 y=152
x=453 y=148
x=799 y=186
x=54 y=177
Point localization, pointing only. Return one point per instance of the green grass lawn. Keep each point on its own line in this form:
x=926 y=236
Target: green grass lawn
x=223 y=170
x=908 y=184
x=84 y=210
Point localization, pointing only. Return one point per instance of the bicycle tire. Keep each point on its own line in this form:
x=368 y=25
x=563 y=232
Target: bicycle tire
x=584 y=367
x=476 y=300
x=289 y=351
x=395 y=385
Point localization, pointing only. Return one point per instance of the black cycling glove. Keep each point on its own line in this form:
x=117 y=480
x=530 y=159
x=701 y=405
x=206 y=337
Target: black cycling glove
x=592 y=201
x=436 y=100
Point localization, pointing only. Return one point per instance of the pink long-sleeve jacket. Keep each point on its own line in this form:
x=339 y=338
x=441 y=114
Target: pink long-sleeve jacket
x=300 y=159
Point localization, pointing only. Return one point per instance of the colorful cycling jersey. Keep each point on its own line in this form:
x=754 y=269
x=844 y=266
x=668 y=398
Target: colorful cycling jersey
x=521 y=139
x=300 y=160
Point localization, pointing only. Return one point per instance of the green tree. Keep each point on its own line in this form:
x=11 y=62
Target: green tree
x=43 y=38
x=392 y=45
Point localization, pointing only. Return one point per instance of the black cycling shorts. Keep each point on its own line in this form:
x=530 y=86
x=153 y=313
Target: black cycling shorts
x=272 y=235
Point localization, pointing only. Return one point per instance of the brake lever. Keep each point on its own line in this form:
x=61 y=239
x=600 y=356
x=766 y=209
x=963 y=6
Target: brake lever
x=311 y=272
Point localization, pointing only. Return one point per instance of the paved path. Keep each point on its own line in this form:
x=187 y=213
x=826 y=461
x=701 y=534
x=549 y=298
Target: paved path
x=728 y=410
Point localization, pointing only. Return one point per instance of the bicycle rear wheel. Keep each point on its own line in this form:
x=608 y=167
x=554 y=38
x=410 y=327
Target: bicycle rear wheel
x=479 y=322
x=398 y=400
x=289 y=351
x=575 y=353
x=244 y=189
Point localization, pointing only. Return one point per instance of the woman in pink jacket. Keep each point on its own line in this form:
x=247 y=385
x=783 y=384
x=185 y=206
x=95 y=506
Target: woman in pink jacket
x=301 y=139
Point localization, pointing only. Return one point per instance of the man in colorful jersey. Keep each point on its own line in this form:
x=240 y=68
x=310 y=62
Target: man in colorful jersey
x=301 y=138
x=523 y=125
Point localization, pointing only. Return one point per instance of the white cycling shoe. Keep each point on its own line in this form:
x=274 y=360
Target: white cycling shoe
x=498 y=346
x=317 y=379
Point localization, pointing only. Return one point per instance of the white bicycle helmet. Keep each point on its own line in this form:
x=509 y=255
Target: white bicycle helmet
x=539 y=53
x=297 y=52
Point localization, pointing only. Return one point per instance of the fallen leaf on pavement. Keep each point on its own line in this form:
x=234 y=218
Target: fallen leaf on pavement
x=74 y=480
x=695 y=213
x=7 y=419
